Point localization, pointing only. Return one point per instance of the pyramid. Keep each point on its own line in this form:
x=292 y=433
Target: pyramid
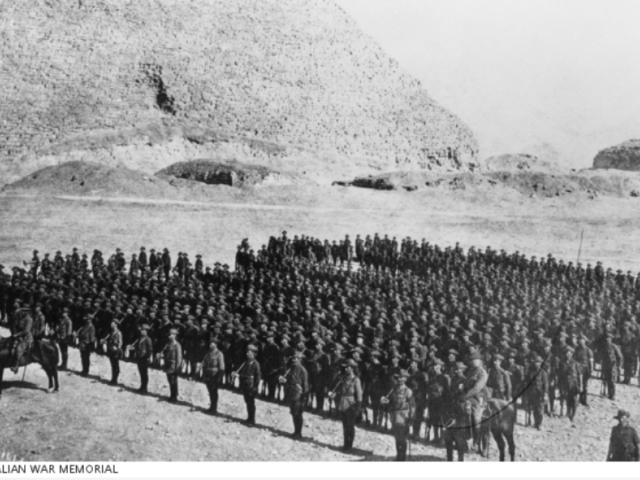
x=149 y=82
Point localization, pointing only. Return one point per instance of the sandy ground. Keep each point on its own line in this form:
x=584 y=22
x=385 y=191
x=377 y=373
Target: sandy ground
x=89 y=420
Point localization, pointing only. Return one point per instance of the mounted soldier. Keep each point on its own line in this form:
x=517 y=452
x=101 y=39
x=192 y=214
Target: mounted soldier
x=22 y=336
x=474 y=392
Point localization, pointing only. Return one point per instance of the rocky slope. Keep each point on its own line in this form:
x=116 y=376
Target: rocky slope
x=625 y=156
x=530 y=183
x=521 y=162
x=125 y=84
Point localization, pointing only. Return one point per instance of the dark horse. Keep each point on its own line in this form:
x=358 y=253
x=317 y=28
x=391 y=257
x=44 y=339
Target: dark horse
x=498 y=419
x=43 y=352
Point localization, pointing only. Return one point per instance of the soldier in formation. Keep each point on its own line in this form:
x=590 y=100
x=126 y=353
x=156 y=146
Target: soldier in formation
x=250 y=375
x=401 y=406
x=114 y=350
x=296 y=382
x=144 y=357
x=348 y=395
x=172 y=356
x=212 y=371
x=409 y=306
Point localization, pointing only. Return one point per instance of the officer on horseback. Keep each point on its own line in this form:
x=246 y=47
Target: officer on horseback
x=22 y=336
x=474 y=392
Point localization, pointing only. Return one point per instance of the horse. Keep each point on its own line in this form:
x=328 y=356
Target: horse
x=456 y=430
x=498 y=419
x=43 y=352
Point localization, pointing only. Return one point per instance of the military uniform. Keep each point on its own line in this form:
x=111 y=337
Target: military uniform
x=401 y=410
x=144 y=357
x=296 y=390
x=584 y=356
x=172 y=355
x=114 y=352
x=499 y=382
x=569 y=379
x=86 y=343
x=474 y=393
x=610 y=367
x=22 y=335
x=250 y=376
x=624 y=445
x=348 y=404
x=437 y=396
x=212 y=370
x=64 y=336
x=538 y=391
x=270 y=362
x=418 y=383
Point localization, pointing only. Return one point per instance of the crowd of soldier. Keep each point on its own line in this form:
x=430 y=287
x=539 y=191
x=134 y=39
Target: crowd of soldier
x=296 y=317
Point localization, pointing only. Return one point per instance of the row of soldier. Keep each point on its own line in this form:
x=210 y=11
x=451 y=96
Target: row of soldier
x=439 y=308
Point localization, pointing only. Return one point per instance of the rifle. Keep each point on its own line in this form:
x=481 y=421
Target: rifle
x=332 y=394
x=128 y=348
x=286 y=373
x=236 y=373
x=105 y=339
x=386 y=397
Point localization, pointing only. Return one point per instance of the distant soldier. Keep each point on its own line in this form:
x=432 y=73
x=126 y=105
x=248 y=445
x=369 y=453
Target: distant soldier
x=154 y=260
x=114 y=350
x=86 y=343
x=516 y=376
x=569 y=379
x=250 y=376
x=629 y=348
x=22 y=336
x=64 y=337
x=499 y=380
x=142 y=258
x=144 y=356
x=401 y=408
x=212 y=370
x=418 y=382
x=39 y=326
x=348 y=395
x=624 y=445
x=611 y=363
x=474 y=392
x=172 y=355
x=270 y=363
x=296 y=382
x=584 y=356
x=166 y=262
x=319 y=375
x=437 y=394
x=538 y=390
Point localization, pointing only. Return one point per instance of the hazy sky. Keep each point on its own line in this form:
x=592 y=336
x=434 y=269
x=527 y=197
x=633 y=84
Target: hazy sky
x=521 y=72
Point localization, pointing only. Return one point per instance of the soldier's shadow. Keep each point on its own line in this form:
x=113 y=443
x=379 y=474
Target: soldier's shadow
x=410 y=458
x=280 y=433
x=125 y=388
x=6 y=385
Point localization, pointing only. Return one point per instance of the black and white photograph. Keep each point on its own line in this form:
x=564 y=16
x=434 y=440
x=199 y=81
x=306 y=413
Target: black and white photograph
x=319 y=231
